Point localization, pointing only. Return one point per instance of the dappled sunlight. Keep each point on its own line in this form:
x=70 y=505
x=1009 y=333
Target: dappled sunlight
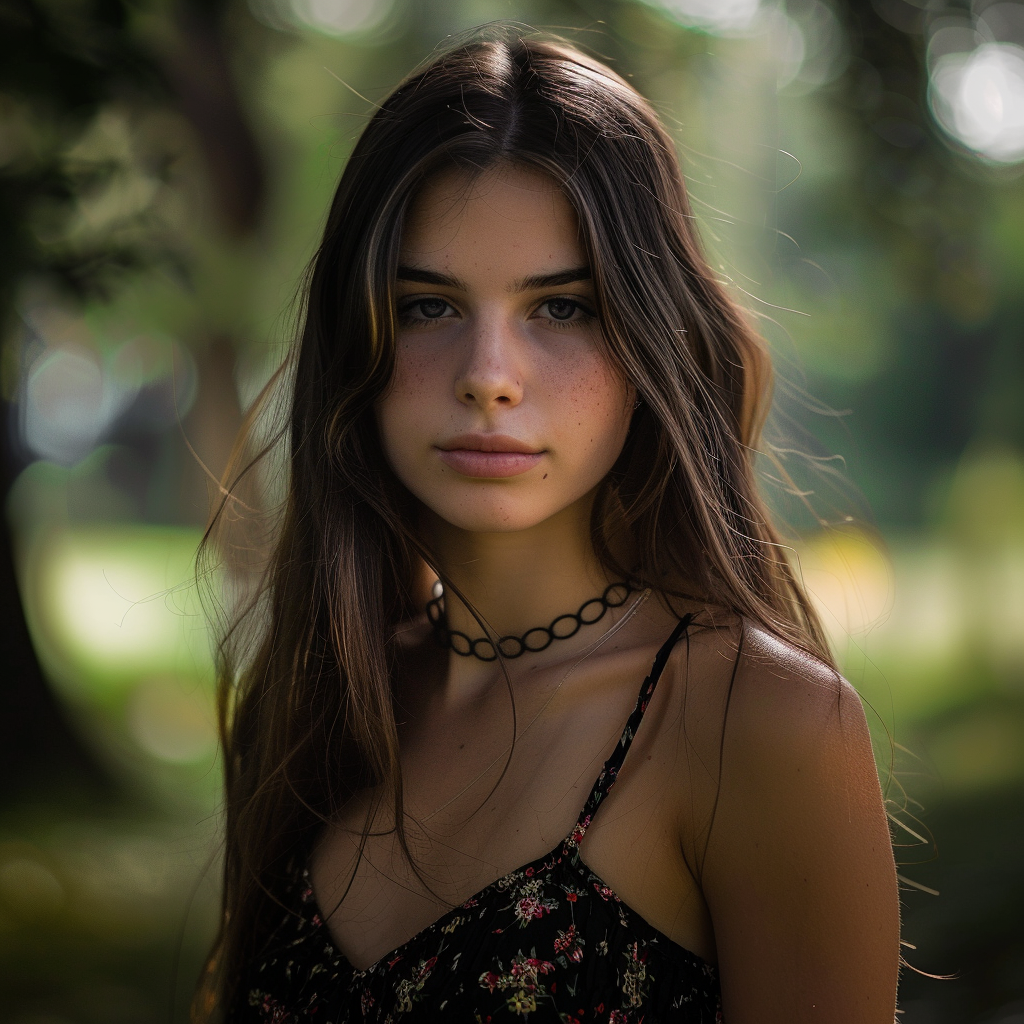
x=849 y=576
x=112 y=605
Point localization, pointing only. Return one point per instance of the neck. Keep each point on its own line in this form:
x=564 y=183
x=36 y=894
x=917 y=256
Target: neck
x=523 y=579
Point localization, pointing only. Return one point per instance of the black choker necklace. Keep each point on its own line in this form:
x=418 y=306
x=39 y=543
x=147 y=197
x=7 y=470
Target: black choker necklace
x=533 y=640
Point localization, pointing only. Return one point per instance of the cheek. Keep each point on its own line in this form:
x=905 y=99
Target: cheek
x=594 y=405
x=415 y=374
x=413 y=389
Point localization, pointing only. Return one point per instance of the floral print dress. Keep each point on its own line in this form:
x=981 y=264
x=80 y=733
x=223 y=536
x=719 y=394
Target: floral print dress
x=548 y=942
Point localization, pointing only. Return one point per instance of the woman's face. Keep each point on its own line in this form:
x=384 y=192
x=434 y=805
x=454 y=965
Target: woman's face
x=504 y=409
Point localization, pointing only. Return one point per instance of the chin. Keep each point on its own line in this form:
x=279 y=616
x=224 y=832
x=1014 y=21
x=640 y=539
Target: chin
x=492 y=513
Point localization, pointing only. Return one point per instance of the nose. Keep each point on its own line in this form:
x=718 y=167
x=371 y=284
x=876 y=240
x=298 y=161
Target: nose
x=491 y=374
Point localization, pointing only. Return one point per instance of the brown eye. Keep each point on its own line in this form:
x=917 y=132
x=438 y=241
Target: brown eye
x=566 y=313
x=432 y=309
x=420 y=311
x=562 y=309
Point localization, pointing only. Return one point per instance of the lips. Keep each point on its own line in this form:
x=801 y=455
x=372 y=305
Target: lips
x=493 y=456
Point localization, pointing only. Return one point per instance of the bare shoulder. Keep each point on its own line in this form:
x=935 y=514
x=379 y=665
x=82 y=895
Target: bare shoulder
x=765 y=694
x=783 y=695
x=765 y=730
x=798 y=871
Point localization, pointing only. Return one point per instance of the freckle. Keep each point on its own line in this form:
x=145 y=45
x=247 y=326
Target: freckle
x=544 y=477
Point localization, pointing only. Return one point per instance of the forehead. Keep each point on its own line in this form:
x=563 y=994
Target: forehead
x=508 y=214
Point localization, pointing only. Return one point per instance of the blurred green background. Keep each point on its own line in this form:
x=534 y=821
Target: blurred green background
x=165 y=166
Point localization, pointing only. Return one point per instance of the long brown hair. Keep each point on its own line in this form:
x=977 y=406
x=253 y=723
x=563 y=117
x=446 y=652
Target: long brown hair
x=307 y=713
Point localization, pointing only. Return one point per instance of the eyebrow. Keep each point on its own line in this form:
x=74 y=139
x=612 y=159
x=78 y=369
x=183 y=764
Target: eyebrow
x=421 y=275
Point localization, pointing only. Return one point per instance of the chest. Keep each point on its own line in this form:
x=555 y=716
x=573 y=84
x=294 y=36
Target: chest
x=479 y=808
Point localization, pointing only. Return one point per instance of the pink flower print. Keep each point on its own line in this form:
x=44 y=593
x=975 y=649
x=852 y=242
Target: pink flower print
x=529 y=872
x=528 y=908
x=522 y=976
x=605 y=893
x=273 y=1011
x=524 y=971
x=491 y=980
x=566 y=942
x=366 y=1001
x=577 y=833
x=617 y=1017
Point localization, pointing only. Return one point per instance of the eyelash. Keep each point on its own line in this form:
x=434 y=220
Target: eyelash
x=586 y=315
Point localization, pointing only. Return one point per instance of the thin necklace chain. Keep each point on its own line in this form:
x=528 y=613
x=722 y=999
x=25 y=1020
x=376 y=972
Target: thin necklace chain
x=587 y=651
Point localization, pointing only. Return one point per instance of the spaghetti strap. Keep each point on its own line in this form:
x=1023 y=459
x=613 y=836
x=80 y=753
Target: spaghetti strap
x=604 y=782
x=463 y=965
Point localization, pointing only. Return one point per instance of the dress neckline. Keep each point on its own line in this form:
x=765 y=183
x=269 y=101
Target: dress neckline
x=448 y=915
x=566 y=848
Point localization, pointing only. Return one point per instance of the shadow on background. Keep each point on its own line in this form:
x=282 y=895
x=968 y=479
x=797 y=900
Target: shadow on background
x=164 y=170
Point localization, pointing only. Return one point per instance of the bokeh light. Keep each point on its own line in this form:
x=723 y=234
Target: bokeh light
x=79 y=385
x=714 y=15
x=331 y=17
x=66 y=408
x=113 y=606
x=850 y=578
x=978 y=98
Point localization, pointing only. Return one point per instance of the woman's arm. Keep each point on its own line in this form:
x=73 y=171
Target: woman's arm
x=799 y=873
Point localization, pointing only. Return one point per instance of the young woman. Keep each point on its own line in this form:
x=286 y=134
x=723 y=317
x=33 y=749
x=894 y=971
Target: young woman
x=523 y=561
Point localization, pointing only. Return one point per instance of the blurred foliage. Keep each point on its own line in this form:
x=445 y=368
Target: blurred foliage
x=164 y=168
x=59 y=66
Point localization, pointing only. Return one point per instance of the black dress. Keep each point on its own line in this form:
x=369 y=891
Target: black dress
x=548 y=942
